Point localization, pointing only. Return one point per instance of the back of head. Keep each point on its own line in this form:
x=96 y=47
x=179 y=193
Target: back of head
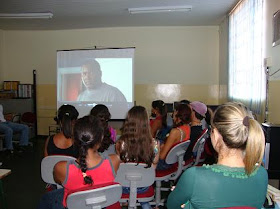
x=102 y=112
x=161 y=107
x=183 y=113
x=66 y=114
x=88 y=134
x=240 y=130
x=185 y=101
x=137 y=138
x=199 y=108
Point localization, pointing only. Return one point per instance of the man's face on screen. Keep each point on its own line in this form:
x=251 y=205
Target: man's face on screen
x=90 y=77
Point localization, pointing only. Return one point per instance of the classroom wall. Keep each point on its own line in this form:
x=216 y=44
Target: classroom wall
x=273 y=53
x=171 y=63
x=223 y=61
x=1 y=54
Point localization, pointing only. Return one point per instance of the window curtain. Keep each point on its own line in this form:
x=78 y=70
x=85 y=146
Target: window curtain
x=246 y=73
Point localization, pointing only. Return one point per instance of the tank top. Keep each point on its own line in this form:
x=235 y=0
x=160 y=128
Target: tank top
x=52 y=149
x=102 y=173
x=184 y=129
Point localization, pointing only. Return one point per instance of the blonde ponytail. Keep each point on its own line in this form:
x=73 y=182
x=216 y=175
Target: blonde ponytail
x=239 y=130
x=254 y=146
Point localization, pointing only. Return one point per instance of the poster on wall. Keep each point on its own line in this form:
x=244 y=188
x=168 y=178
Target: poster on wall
x=276 y=28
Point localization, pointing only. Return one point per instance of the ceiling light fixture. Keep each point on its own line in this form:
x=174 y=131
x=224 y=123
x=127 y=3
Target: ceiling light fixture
x=37 y=15
x=139 y=10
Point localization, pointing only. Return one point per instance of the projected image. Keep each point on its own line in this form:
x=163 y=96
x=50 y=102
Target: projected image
x=85 y=81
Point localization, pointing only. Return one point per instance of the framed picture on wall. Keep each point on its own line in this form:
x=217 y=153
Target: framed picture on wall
x=276 y=28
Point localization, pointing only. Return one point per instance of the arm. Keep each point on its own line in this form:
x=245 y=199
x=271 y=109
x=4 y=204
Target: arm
x=172 y=138
x=118 y=147
x=46 y=147
x=183 y=191
x=115 y=161
x=156 y=159
x=156 y=126
x=59 y=172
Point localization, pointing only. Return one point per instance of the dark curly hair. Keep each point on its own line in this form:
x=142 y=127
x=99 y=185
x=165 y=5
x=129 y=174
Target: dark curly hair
x=183 y=113
x=136 y=138
x=102 y=112
x=88 y=133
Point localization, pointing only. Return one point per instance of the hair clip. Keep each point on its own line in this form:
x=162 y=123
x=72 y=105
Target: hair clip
x=67 y=113
x=246 y=121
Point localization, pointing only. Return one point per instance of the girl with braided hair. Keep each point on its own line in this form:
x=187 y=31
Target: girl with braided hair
x=90 y=167
x=180 y=132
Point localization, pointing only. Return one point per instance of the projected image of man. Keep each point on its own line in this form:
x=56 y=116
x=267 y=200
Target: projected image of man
x=95 y=89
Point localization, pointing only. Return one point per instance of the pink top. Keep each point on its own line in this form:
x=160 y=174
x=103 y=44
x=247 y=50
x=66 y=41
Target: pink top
x=113 y=134
x=102 y=173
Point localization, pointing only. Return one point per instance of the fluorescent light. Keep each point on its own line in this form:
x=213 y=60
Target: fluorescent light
x=160 y=9
x=40 y=15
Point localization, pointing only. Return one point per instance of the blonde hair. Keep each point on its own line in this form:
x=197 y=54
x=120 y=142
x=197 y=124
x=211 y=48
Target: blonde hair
x=240 y=131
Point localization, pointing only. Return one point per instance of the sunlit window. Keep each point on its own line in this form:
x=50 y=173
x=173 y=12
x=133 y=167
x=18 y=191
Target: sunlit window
x=246 y=73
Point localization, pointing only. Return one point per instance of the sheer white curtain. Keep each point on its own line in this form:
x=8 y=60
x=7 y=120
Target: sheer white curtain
x=246 y=73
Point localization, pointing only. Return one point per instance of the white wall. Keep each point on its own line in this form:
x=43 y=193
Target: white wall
x=180 y=55
x=271 y=6
x=223 y=61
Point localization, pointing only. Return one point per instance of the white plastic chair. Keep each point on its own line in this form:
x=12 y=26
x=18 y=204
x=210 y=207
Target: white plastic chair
x=175 y=155
x=96 y=197
x=197 y=151
x=47 y=166
x=135 y=175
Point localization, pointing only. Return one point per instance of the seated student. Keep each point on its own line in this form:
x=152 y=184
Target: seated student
x=110 y=134
x=136 y=143
x=90 y=168
x=62 y=143
x=8 y=128
x=159 y=115
x=198 y=111
x=237 y=179
x=180 y=132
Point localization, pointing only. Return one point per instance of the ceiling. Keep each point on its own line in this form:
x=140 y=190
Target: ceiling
x=78 y=14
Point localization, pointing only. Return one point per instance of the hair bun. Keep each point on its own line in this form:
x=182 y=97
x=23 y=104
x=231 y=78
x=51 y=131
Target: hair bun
x=246 y=121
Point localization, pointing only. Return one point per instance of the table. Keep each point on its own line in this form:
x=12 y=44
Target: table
x=3 y=173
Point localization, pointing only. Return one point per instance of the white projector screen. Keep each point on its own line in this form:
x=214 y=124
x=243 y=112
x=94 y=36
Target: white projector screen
x=89 y=77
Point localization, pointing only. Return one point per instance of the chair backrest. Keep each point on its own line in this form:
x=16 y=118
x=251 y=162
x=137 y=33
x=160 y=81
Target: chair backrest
x=177 y=150
x=94 y=197
x=133 y=172
x=28 y=117
x=199 y=146
x=47 y=165
x=135 y=175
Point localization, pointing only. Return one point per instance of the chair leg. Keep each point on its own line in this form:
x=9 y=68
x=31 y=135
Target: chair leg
x=158 y=195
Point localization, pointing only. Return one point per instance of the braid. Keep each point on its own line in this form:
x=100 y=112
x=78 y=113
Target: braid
x=83 y=164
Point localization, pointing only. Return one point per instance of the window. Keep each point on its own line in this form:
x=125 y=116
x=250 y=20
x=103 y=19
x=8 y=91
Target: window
x=246 y=74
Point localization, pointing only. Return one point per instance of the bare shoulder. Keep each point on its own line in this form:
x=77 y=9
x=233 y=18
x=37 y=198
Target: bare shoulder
x=175 y=132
